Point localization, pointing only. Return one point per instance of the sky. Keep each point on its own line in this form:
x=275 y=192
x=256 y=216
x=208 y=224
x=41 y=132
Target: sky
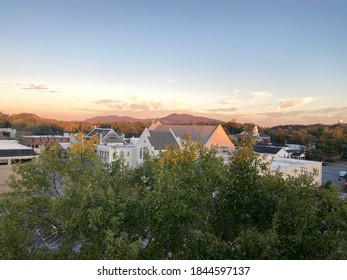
x=266 y=62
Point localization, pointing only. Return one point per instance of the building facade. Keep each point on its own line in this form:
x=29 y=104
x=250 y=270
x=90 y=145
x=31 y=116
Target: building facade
x=35 y=141
x=12 y=152
x=158 y=138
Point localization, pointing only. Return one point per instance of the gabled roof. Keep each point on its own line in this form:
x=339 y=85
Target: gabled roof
x=112 y=137
x=98 y=131
x=108 y=135
x=160 y=140
x=201 y=133
x=266 y=149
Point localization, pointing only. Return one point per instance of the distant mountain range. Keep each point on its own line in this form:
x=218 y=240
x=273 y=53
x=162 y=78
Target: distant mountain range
x=170 y=119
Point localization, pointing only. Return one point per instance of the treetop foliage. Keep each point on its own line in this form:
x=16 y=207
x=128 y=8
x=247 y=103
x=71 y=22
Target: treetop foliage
x=182 y=204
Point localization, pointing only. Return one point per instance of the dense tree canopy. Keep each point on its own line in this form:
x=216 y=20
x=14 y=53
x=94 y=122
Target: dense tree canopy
x=31 y=124
x=182 y=204
x=321 y=141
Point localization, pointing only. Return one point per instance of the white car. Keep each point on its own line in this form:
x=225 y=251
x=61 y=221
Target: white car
x=342 y=173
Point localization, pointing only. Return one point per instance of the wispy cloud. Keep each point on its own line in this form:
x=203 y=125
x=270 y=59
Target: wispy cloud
x=227 y=100
x=330 y=114
x=331 y=111
x=222 y=110
x=279 y=114
x=111 y=103
x=169 y=79
x=290 y=103
x=30 y=86
x=135 y=104
x=260 y=95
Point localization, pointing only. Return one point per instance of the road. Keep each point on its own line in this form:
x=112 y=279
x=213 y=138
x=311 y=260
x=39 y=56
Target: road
x=5 y=171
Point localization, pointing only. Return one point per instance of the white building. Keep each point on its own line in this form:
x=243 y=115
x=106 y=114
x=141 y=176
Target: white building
x=278 y=152
x=272 y=152
x=157 y=138
x=152 y=142
x=289 y=162
x=210 y=136
x=109 y=151
x=293 y=167
x=112 y=146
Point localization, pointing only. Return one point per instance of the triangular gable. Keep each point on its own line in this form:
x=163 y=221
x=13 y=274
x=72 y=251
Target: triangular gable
x=219 y=138
x=112 y=137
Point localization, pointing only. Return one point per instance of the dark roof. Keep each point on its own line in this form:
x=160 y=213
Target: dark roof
x=17 y=153
x=296 y=154
x=263 y=134
x=293 y=151
x=160 y=140
x=114 y=139
x=266 y=149
x=201 y=133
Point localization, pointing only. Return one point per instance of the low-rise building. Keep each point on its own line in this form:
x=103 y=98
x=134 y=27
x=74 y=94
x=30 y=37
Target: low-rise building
x=109 y=151
x=278 y=152
x=11 y=152
x=271 y=151
x=152 y=142
x=210 y=136
x=35 y=141
x=106 y=135
x=292 y=167
x=157 y=138
x=8 y=133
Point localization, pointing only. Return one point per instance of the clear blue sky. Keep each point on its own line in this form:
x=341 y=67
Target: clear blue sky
x=267 y=62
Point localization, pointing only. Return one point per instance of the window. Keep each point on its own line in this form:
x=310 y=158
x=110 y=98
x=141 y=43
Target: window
x=145 y=152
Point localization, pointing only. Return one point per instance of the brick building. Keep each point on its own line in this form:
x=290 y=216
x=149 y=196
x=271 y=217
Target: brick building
x=35 y=141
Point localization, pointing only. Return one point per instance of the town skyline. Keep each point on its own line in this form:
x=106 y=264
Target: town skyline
x=267 y=62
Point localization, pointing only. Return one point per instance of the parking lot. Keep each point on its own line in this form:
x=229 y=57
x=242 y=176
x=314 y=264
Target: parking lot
x=331 y=173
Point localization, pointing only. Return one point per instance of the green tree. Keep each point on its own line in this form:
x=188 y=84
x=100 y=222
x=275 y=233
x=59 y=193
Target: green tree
x=263 y=215
x=41 y=186
x=184 y=203
x=178 y=195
